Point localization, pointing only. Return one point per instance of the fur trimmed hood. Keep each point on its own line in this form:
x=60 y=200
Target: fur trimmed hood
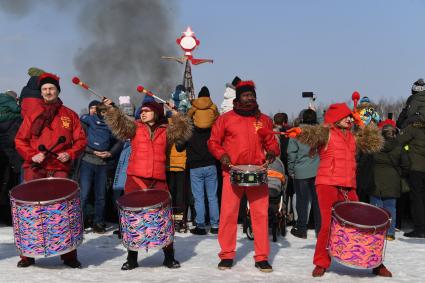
x=179 y=128
x=120 y=124
x=369 y=139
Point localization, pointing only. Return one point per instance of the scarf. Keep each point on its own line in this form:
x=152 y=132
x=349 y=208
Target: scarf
x=246 y=109
x=45 y=118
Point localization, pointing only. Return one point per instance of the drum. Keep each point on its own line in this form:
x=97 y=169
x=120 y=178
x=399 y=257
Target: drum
x=146 y=219
x=357 y=235
x=47 y=218
x=248 y=175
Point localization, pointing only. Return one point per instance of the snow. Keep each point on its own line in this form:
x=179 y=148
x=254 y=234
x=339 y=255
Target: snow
x=103 y=255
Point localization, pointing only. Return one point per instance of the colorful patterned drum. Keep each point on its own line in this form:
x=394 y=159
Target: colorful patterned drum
x=146 y=219
x=248 y=175
x=46 y=217
x=358 y=232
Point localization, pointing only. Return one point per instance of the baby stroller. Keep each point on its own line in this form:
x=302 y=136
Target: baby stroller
x=277 y=203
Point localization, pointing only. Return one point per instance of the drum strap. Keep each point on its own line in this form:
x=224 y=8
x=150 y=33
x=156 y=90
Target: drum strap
x=344 y=192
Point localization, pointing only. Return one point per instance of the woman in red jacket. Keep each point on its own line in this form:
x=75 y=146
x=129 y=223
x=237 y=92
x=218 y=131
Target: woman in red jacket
x=147 y=164
x=336 y=175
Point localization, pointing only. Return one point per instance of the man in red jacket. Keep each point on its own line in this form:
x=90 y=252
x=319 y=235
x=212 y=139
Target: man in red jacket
x=55 y=127
x=235 y=141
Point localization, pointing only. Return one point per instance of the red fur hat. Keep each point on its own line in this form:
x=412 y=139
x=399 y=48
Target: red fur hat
x=245 y=86
x=48 y=78
x=336 y=112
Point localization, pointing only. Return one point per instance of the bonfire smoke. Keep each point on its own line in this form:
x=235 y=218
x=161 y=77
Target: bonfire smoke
x=124 y=42
x=127 y=39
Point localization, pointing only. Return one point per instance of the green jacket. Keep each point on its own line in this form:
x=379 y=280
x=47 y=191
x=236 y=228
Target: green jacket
x=300 y=163
x=9 y=108
x=414 y=136
x=388 y=166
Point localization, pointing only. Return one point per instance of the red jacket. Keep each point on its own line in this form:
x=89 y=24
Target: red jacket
x=148 y=152
x=337 y=165
x=66 y=123
x=237 y=136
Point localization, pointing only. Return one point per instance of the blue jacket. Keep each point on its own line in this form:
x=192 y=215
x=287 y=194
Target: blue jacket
x=300 y=164
x=99 y=136
x=121 y=171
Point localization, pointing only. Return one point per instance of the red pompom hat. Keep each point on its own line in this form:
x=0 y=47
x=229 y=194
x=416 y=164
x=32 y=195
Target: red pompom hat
x=336 y=112
x=245 y=86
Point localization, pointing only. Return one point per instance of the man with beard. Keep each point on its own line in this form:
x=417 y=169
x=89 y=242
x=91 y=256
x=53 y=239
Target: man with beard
x=235 y=141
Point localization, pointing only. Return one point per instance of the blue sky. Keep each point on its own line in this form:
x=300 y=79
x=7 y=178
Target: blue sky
x=326 y=46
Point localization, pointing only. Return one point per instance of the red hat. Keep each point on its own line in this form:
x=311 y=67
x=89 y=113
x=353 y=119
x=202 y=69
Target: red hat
x=387 y=122
x=245 y=86
x=48 y=78
x=336 y=112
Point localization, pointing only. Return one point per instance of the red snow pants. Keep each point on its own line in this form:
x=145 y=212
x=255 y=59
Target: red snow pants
x=327 y=196
x=258 y=198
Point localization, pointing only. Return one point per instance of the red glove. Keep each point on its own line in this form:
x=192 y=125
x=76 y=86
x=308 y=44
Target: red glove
x=357 y=119
x=293 y=133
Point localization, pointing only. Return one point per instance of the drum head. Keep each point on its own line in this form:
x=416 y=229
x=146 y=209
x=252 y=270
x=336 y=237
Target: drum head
x=44 y=190
x=249 y=168
x=144 y=198
x=361 y=215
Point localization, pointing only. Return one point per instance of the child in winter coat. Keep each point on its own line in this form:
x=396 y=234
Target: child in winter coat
x=203 y=111
x=336 y=176
x=147 y=165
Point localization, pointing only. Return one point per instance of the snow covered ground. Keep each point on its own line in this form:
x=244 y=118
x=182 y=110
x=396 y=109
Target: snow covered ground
x=103 y=255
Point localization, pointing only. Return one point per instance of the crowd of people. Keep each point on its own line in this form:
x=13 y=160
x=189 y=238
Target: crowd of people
x=189 y=147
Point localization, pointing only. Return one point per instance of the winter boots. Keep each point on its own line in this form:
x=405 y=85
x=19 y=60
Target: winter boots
x=382 y=271
x=225 y=264
x=131 y=262
x=169 y=260
x=26 y=261
x=264 y=266
x=318 y=271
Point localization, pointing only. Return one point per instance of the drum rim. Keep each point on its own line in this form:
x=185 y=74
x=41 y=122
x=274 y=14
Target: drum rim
x=361 y=226
x=147 y=248
x=342 y=262
x=46 y=201
x=234 y=168
x=161 y=204
x=78 y=243
x=248 y=184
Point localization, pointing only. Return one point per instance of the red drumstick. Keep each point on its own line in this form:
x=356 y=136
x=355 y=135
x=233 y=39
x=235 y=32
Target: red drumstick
x=77 y=81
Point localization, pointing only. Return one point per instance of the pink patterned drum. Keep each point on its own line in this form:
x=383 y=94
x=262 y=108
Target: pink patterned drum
x=146 y=219
x=46 y=217
x=357 y=235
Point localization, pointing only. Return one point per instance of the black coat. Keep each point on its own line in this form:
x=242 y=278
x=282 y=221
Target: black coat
x=197 y=150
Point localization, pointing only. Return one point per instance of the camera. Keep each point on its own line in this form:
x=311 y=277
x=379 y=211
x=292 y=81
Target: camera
x=309 y=94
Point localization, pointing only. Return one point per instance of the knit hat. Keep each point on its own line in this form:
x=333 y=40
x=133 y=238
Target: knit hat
x=156 y=107
x=364 y=99
x=204 y=92
x=235 y=81
x=336 y=112
x=387 y=122
x=48 y=78
x=180 y=88
x=94 y=103
x=245 y=86
x=11 y=93
x=418 y=86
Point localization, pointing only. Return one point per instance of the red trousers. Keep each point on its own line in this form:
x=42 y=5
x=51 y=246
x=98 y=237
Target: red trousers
x=258 y=198
x=327 y=196
x=33 y=174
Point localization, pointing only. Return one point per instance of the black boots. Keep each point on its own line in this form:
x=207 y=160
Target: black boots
x=225 y=264
x=131 y=262
x=264 y=266
x=73 y=263
x=169 y=260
